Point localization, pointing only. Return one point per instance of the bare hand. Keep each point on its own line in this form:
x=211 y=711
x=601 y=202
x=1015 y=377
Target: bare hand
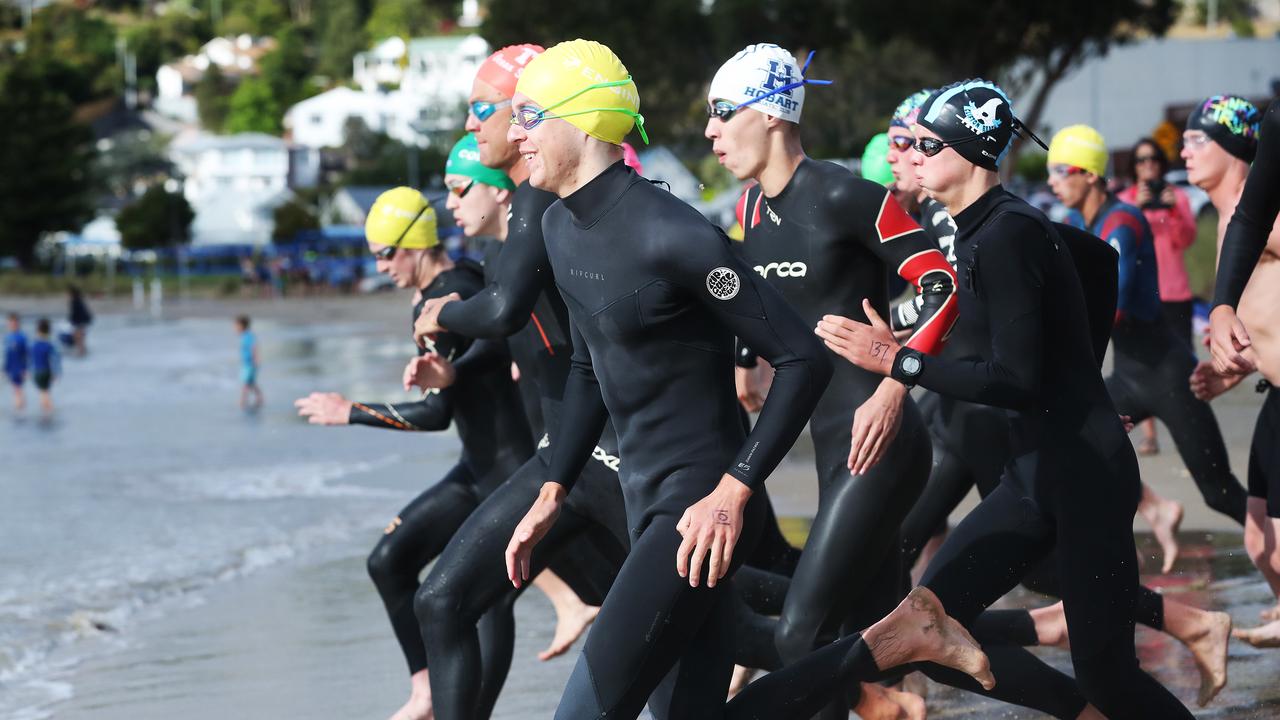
x=1128 y=423
x=711 y=528
x=875 y=425
x=1143 y=194
x=324 y=408
x=753 y=385
x=429 y=372
x=1207 y=383
x=1228 y=339
x=1167 y=197
x=535 y=526
x=870 y=347
x=428 y=322
x=515 y=372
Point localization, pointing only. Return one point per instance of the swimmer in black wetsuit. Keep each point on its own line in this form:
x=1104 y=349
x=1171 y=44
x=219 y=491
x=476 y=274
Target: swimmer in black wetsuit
x=1073 y=476
x=656 y=294
x=484 y=405
x=1151 y=363
x=1244 y=328
x=825 y=239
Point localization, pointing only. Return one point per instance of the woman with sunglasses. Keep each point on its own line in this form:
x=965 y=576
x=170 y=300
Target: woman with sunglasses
x=825 y=239
x=1072 y=481
x=482 y=403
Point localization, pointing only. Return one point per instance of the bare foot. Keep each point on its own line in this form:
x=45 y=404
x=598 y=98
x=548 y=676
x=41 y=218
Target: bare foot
x=741 y=678
x=1165 y=521
x=1209 y=648
x=1051 y=626
x=1270 y=614
x=1148 y=447
x=920 y=630
x=880 y=703
x=418 y=708
x=569 y=627
x=1267 y=636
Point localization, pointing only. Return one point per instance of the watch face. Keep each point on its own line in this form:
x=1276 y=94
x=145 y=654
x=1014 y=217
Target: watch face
x=911 y=365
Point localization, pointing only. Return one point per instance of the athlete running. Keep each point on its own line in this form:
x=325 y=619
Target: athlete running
x=656 y=295
x=1073 y=478
x=1222 y=137
x=1151 y=363
x=484 y=405
x=825 y=239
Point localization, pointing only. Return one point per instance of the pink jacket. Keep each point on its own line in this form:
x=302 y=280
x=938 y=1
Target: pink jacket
x=1175 y=230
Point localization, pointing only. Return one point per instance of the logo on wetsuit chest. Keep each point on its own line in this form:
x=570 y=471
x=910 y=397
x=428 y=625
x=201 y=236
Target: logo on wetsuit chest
x=723 y=283
x=586 y=274
x=783 y=269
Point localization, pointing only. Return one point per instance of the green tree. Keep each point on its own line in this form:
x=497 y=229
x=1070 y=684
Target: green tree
x=254 y=108
x=400 y=18
x=289 y=67
x=157 y=219
x=166 y=38
x=213 y=99
x=341 y=37
x=292 y=218
x=372 y=158
x=254 y=17
x=77 y=49
x=45 y=158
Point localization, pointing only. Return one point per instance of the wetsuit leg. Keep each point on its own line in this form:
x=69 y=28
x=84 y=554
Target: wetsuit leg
x=1178 y=316
x=1264 y=455
x=497 y=632
x=854 y=536
x=647 y=624
x=762 y=591
x=773 y=553
x=949 y=482
x=469 y=579
x=417 y=535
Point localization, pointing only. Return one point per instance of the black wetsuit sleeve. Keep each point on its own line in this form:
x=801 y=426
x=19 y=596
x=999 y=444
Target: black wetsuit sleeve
x=432 y=413
x=1010 y=268
x=483 y=356
x=502 y=308
x=1254 y=218
x=583 y=412
x=759 y=315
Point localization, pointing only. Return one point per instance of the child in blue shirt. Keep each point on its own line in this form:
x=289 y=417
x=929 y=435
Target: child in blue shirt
x=46 y=364
x=15 y=360
x=248 y=366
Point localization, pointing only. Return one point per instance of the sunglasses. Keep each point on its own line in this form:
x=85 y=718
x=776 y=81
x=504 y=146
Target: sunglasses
x=1144 y=159
x=929 y=147
x=529 y=118
x=722 y=109
x=389 y=251
x=901 y=143
x=485 y=110
x=460 y=191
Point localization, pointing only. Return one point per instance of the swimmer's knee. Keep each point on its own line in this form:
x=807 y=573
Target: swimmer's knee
x=435 y=600
x=793 y=639
x=381 y=566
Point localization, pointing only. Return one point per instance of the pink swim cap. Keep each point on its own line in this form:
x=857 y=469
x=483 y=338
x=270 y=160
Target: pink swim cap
x=632 y=160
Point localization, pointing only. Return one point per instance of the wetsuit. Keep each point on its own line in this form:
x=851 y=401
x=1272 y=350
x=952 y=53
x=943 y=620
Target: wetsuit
x=656 y=295
x=1152 y=364
x=484 y=405
x=1242 y=247
x=827 y=240
x=469 y=578
x=1072 y=479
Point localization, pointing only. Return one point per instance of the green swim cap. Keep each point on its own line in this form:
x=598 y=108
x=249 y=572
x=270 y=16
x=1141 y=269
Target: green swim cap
x=875 y=160
x=464 y=160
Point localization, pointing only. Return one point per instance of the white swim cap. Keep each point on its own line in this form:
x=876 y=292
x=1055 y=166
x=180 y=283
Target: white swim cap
x=756 y=75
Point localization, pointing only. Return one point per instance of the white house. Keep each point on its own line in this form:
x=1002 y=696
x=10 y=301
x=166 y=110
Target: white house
x=320 y=121
x=431 y=65
x=233 y=183
x=176 y=81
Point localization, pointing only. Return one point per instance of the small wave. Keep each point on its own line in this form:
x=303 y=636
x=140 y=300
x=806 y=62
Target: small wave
x=297 y=480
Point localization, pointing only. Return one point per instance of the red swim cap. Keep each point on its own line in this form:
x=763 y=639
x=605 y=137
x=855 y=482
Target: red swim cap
x=631 y=159
x=502 y=69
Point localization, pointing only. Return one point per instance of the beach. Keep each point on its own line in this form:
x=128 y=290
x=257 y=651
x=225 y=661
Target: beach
x=164 y=554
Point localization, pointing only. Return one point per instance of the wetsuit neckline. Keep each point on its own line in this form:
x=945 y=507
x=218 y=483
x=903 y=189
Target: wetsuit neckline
x=974 y=214
x=795 y=179
x=1100 y=217
x=592 y=201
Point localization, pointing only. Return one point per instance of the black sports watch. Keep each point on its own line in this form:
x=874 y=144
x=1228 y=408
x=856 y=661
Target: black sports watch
x=907 y=366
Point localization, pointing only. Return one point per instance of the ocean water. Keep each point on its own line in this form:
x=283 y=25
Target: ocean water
x=150 y=488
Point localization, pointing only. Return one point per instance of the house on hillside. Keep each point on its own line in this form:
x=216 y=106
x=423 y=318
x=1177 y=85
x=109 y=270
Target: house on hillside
x=320 y=121
x=234 y=57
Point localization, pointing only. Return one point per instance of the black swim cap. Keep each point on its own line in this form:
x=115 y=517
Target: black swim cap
x=1230 y=121
x=977 y=117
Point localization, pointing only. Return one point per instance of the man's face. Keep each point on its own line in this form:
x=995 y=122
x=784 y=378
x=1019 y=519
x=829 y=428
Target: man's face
x=1070 y=184
x=402 y=266
x=1206 y=161
x=942 y=171
x=475 y=208
x=491 y=133
x=552 y=149
x=899 y=157
x=741 y=142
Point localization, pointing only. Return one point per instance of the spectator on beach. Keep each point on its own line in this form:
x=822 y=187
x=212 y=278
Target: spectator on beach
x=248 y=366
x=1168 y=211
x=46 y=364
x=15 y=360
x=80 y=319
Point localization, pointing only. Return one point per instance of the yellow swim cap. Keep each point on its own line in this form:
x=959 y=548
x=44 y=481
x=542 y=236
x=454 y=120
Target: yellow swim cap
x=402 y=217
x=1080 y=146
x=585 y=83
